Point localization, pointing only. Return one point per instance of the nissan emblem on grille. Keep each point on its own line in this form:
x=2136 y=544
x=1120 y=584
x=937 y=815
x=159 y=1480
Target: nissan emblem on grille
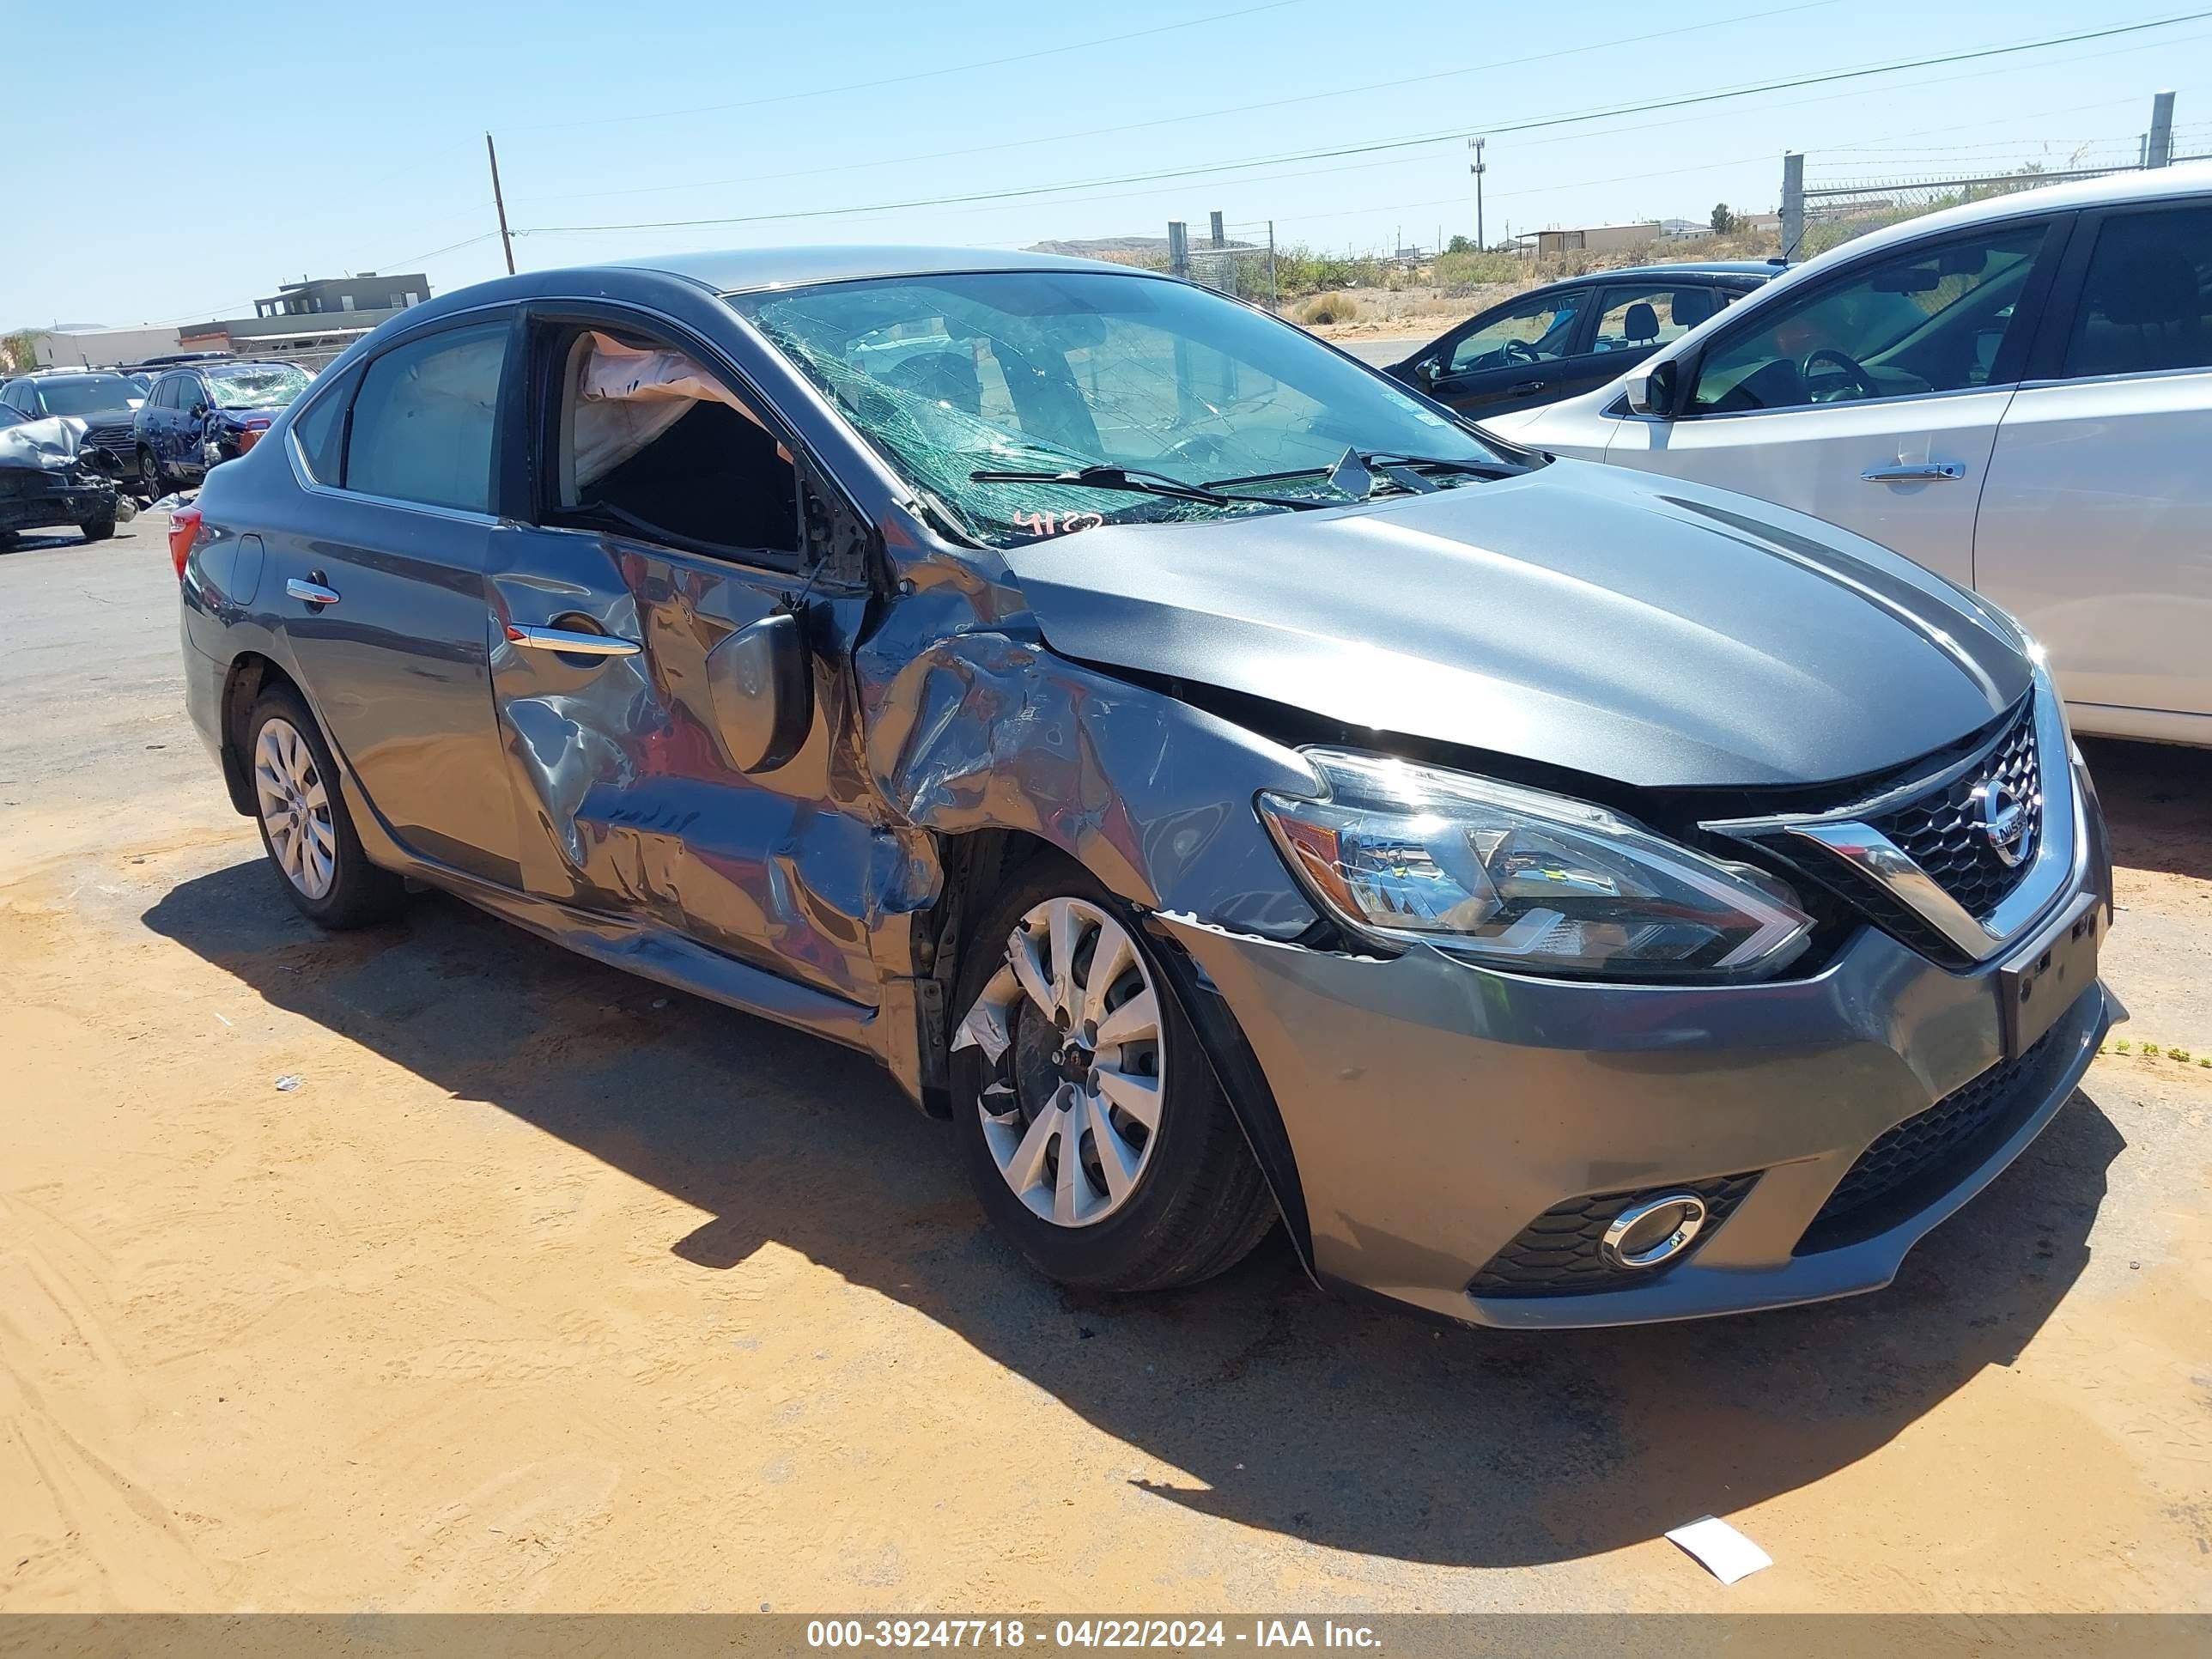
x=2003 y=820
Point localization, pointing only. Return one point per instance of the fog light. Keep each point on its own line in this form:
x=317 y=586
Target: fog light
x=1654 y=1231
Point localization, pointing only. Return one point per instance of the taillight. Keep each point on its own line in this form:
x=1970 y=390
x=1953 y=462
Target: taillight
x=184 y=531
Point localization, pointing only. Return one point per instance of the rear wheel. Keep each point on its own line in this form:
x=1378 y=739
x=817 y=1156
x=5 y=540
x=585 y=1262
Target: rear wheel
x=1096 y=1135
x=304 y=826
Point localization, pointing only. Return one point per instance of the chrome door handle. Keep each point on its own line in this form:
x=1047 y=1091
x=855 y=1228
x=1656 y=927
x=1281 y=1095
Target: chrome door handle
x=1925 y=473
x=561 y=639
x=313 y=593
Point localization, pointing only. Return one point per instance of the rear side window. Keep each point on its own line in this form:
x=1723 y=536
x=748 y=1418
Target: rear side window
x=320 y=432
x=423 y=422
x=1649 y=314
x=2146 y=299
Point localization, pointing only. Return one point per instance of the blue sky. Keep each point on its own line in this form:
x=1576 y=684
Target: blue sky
x=326 y=142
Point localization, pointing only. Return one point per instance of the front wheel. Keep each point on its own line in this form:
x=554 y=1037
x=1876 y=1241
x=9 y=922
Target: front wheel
x=99 y=530
x=304 y=826
x=1096 y=1137
x=150 y=469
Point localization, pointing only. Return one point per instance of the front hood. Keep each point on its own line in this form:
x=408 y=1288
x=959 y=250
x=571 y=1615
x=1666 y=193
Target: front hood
x=1654 y=632
x=51 y=445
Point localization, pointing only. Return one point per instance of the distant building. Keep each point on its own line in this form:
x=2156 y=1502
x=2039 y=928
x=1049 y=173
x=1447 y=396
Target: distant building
x=1680 y=230
x=90 y=345
x=312 y=317
x=1597 y=239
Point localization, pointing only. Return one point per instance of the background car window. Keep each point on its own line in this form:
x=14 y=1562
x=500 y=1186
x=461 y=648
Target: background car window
x=1929 y=318
x=88 y=394
x=652 y=443
x=422 y=423
x=2146 y=296
x=1531 y=331
x=1649 y=314
x=159 y=397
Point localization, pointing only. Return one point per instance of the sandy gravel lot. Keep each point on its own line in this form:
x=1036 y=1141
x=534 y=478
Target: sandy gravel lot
x=548 y=1289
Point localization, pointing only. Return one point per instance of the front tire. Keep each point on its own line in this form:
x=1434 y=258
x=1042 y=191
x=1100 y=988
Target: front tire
x=1096 y=1135
x=100 y=529
x=306 y=829
x=150 y=469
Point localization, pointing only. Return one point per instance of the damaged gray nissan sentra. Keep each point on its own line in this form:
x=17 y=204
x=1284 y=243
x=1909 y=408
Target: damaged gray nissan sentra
x=1223 y=783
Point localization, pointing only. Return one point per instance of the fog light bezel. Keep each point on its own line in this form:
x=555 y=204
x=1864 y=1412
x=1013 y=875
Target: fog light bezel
x=1612 y=1248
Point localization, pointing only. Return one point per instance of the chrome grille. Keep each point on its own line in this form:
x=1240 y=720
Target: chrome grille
x=116 y=435
x=1941 y=831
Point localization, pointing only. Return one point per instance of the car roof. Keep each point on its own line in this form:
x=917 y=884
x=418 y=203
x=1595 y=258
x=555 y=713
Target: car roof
x=742 y=270
x=1687 y=267
x=70 y=373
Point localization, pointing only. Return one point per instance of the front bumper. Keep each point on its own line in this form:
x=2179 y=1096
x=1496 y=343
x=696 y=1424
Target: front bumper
x=1435 y=1109
x=42 y=501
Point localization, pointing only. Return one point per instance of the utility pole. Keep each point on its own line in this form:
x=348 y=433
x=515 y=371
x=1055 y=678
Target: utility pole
x=506 y=242
x=1793 y=202
x=1478 y=169
x=1275 y=299
x=2159 y=150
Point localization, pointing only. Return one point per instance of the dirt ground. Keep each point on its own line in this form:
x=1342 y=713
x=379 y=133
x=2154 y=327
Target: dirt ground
x=547 y=1289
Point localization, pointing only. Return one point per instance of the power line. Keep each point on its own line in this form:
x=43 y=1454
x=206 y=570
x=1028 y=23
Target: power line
x=1687 y=101
x=916 y=75
x=1195 y=115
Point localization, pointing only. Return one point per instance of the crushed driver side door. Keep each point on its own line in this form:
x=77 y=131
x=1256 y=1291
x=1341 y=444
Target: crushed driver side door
x=614 y=704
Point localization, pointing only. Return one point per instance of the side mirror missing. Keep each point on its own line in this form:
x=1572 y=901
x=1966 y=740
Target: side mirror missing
x=763 y=685
x=1653 y=392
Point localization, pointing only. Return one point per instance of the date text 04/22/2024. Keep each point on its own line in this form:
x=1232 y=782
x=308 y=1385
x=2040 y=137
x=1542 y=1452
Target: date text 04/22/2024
x=1070 y=1634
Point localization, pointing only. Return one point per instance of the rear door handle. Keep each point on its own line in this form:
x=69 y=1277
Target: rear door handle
x=1925 y=473
x=313 y=593
x=561 y=639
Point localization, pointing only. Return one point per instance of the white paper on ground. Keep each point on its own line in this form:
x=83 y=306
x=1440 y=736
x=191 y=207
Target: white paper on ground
x=1726 y=1553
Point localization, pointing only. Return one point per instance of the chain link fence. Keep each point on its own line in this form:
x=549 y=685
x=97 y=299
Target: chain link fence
x=1838 y=206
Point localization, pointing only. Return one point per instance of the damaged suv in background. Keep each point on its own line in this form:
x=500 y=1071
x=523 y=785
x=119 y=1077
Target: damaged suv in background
x=1216 y=778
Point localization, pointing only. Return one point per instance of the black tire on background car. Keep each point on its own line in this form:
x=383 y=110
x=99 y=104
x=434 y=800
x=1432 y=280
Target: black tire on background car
x=304 y=826
x=1056 y=1068
x=99 y=530
x=150 y=469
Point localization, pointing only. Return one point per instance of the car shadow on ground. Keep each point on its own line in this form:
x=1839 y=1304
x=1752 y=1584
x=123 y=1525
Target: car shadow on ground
x=2157 y=797
x=1352 y=1426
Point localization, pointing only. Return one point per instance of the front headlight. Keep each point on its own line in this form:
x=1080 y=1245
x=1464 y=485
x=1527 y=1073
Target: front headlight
x=1519 y=879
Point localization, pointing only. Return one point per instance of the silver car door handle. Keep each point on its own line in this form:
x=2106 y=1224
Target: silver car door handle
x=313 y=593
x=561 y=639
x=1924 y=473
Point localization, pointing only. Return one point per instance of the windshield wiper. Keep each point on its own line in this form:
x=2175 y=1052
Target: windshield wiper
x=1141 y=484
x=1379 y=462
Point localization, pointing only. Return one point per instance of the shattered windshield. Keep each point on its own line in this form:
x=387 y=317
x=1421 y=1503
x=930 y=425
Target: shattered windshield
x=256 y=385
x=1053 y=372
x=86 y=394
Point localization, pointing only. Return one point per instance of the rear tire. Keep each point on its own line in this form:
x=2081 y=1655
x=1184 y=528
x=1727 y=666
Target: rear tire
x=1182 y=1199
x=306 y=829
